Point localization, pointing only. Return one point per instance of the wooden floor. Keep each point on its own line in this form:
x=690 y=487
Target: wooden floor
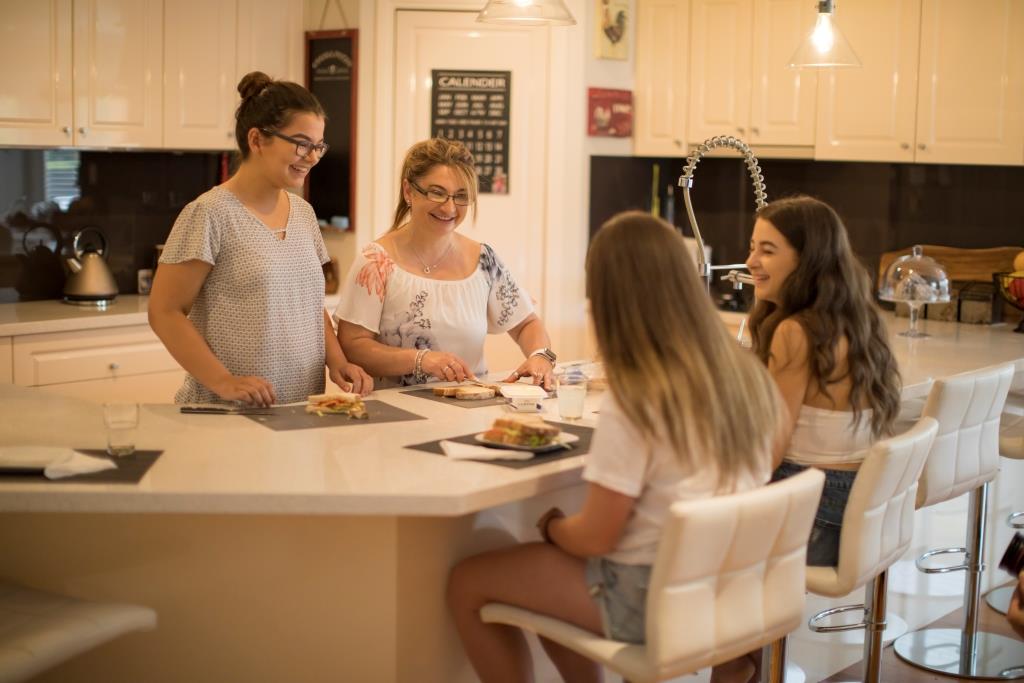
x=895 y=670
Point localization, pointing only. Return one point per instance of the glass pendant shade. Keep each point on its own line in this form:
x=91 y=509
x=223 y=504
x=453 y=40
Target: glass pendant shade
x=526 y=13
x=825 y=46
x=915 y=279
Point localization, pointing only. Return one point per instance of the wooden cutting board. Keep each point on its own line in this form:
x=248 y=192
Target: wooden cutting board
x=964 y=265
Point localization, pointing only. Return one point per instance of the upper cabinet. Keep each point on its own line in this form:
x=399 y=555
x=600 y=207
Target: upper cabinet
x=118 y=73
x=942 y=82
x=661 y=75
x=85 y=74
x=970 y=105
x=199 y=85
x=138 y=73
x=740 y=83
x=35 y=94
x=271 y=39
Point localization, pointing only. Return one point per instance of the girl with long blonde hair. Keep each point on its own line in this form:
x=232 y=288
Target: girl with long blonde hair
x=689 y=415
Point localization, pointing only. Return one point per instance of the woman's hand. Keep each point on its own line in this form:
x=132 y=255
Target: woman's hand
x=254 y=391
x=539 y=368
x=351 y=377
x=446 y=366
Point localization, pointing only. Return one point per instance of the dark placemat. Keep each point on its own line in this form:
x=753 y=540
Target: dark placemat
x=287 y=418
x=130 y=470
x=581 y=447
x=429 y=394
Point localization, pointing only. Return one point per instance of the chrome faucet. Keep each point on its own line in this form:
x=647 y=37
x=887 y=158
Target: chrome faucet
x=704 y=268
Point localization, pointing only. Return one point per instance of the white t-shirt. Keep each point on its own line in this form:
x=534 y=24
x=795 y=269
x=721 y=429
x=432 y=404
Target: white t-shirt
x=620 y=460
x=408 y=311
x=261 y=309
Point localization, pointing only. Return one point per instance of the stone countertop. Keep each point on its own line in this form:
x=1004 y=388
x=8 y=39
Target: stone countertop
x=53 y=315
x=230 y=464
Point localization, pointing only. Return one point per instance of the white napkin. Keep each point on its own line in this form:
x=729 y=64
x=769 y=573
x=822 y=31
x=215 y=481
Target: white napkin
x=77 y=463
x=466 y=451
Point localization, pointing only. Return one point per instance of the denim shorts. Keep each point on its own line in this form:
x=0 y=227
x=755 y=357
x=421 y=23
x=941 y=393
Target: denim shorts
x=823 y=547
x=621 y=594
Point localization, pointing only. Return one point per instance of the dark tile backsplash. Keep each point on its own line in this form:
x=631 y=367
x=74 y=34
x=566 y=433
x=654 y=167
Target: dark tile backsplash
x=885 y=206
x=46 y=196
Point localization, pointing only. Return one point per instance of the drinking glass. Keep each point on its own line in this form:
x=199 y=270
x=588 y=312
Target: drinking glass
x=122 y=421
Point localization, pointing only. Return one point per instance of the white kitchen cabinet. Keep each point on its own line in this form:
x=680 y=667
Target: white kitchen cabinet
x=35 y=73
x=942 y=82
x=783 y=101
x=740 y=82
x=6 y=361
x=660 y=89
x=970 y=106
x=271 y=39
x=867 y=113
x=118 y=73
x=199 y=84
x=99 y=364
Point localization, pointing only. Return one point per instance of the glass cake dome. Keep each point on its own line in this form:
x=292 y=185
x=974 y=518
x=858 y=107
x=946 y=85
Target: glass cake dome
x=915 y=279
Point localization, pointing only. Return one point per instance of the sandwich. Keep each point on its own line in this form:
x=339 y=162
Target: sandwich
x=469 y=392
x=522 y=430
x=473 y=393
x=337 y=403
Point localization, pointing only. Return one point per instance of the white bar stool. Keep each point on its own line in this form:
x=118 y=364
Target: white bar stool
x=728 y=579
x=39 y=630
x=878 y=527
x=964 y=458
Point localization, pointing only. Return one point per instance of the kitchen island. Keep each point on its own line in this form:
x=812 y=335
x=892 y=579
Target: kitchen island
x=309 y=555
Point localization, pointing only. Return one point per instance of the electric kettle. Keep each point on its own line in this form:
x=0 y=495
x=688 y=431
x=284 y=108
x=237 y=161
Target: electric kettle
x=90 y=283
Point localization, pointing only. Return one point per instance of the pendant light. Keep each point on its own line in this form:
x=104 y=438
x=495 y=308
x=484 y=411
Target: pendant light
x=826 y=46
x=526 y=13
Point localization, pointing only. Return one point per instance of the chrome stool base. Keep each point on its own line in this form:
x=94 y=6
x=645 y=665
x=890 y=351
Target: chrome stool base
x=995 y=657
x=999 y=599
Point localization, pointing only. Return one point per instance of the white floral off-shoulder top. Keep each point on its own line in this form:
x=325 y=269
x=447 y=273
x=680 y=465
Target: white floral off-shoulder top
x=412 y=312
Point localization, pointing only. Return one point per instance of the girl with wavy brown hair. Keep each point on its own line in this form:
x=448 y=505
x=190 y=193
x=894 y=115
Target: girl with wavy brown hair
x=816 y=326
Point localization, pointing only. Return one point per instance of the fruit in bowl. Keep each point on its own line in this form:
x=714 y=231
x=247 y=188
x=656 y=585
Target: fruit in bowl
x=1011 y=287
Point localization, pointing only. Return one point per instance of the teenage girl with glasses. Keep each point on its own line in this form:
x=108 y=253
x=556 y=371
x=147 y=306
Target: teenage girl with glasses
x=238 y=298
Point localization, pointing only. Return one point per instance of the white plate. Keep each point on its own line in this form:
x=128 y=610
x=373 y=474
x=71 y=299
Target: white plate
x=561 y=443
x=31 y=458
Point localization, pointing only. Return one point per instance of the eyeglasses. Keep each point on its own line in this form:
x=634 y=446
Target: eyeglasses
x=439 y=195
x=302 y=147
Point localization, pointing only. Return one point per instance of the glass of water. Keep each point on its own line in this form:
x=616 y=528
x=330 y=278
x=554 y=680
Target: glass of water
x=572 y=390
x=122 y=422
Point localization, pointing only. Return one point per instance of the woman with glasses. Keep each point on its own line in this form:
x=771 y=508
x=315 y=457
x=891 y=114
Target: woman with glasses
x=238 y=298
x=419 y=302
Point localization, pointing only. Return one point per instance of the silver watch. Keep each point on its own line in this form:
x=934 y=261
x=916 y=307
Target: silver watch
x=546 y=353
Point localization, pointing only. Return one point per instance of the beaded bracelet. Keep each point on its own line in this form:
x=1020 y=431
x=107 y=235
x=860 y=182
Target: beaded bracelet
x=417 y=372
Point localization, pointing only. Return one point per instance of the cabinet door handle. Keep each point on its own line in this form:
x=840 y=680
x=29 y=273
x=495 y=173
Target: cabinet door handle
x=921 y=146
x=904 y=145
x=115 y=366
x=231 y=134
x=755 y=130
x=81 y=131
x=741 y=130
x=66 y=130
x=678 y=143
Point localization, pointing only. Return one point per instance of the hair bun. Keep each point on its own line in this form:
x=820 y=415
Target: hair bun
x=252 y=83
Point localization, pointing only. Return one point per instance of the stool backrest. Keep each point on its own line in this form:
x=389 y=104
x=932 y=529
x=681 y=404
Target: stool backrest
x=965 y=454
x=878 y=524
x=729 y=574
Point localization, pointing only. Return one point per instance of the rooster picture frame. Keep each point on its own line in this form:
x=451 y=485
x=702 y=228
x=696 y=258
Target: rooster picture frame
x=611 y=29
